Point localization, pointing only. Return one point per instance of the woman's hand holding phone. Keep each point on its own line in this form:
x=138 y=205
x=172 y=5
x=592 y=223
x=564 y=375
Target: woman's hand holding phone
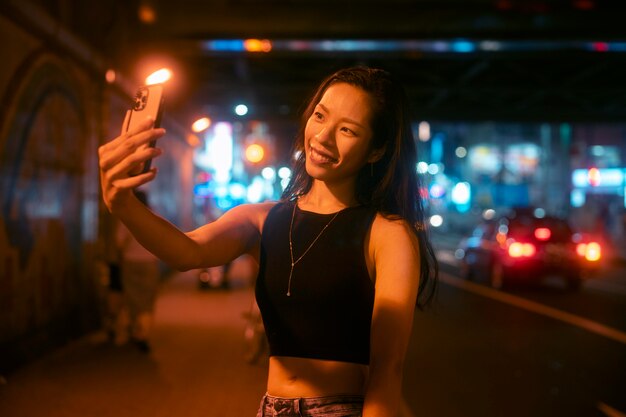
x=122 y=160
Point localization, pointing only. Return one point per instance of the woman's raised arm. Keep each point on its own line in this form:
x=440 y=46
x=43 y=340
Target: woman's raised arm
x=236 y=233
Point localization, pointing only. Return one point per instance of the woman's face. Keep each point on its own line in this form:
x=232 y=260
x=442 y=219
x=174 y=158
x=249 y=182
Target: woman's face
x=338 y=136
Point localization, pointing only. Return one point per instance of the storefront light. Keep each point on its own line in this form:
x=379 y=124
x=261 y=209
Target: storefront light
x=268 y=173
x=284 y=173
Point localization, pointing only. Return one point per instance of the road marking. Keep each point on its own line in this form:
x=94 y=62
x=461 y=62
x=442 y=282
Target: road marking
x=532 y=306
x=610 y=411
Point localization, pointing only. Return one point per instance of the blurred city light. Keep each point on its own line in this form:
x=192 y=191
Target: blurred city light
x=461 y=196
x=543 y=233
x=110 y=76
x=255 y=190
x=489 y=214
x=146 y=13
x=257 y=45
x=584 y=4
x=594 y=177
x=519 y=249
x=268 y=173
x=241 y=109
x=237 y=191
x=591 y=251
x=539 y=213
x=437 y=191
x=193 y=140
x=436 y=220
x=423 y=131
x=255 y=153
x=433 y=169
x=284 y=173
x=598 y=177
x=491 y=46
x=597 y=150
x=459 y=46
x=460 y=152
x=422 y=167
x=160 y=76
x=463 y=46
x=577 y=198
x=201 y=124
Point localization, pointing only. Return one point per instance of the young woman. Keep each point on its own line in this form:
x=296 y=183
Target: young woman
x=343 y=256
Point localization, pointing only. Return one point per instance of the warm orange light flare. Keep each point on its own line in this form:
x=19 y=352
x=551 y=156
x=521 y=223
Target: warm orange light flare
x=146 y=14
x=591 y=251
x=201 y=124
x=110 y=76
x=594 y=177
x=257 y=45
x=159 y=76
x=193 y=140
x=255 y=153
x=515 y=250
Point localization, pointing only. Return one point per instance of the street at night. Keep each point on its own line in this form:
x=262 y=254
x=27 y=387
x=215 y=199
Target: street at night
x=538 y=351
x=317 y=170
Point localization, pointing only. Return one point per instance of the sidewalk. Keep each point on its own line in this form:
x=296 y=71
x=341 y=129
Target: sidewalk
x=196 y=368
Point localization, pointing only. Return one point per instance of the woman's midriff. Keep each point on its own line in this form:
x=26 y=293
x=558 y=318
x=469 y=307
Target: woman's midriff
x=301 y=377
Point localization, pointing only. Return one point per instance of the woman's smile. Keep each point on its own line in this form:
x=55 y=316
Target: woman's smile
x=338 y=134
x=321 y=157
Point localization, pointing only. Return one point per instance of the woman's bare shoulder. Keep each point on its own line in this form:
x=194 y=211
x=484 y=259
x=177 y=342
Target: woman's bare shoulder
x=393 y=232
x=254 y=213
x=388 y=224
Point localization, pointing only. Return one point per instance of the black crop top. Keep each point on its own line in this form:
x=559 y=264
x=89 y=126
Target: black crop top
x=329 y=313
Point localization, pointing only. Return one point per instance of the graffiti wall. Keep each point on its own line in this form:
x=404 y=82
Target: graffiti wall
x=54 y=113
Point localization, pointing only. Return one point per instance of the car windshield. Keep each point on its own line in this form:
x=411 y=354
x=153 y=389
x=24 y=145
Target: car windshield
x=523 y=228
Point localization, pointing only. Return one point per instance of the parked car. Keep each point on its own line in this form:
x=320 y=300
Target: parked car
x=525 y=248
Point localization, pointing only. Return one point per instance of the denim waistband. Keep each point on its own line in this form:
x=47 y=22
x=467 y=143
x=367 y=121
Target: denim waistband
x=351 y=405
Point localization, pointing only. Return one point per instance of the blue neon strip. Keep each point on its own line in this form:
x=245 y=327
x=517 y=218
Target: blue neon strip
x=460 y=46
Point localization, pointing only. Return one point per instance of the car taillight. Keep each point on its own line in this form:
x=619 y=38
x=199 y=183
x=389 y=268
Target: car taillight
x=591 y=251
x=542 y=233
x=521 y=250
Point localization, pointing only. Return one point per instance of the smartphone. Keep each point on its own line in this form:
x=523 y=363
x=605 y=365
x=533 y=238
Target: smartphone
x=148 y=103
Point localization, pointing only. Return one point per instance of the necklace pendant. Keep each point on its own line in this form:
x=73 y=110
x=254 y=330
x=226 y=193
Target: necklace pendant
x=295 y=260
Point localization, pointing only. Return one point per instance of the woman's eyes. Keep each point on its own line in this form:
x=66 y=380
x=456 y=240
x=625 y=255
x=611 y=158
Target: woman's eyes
x=348 y=131
x=320 y=117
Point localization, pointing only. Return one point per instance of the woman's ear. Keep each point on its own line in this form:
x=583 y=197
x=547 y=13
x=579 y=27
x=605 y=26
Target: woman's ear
x=376 y=155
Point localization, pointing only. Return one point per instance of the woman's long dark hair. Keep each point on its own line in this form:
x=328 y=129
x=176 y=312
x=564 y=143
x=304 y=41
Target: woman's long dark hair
x=390 y=185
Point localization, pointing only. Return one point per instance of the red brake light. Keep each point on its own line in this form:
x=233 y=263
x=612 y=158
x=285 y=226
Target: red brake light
x=543 y=233
x=591 y=251
x=521 y=250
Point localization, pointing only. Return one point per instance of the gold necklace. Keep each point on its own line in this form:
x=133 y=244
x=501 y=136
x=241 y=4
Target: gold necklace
x=293 y=263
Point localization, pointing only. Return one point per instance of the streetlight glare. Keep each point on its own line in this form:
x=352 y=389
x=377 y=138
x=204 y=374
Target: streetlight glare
x=241 y=110
x=201 y=124
x=159 y=76
x=255 y=153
